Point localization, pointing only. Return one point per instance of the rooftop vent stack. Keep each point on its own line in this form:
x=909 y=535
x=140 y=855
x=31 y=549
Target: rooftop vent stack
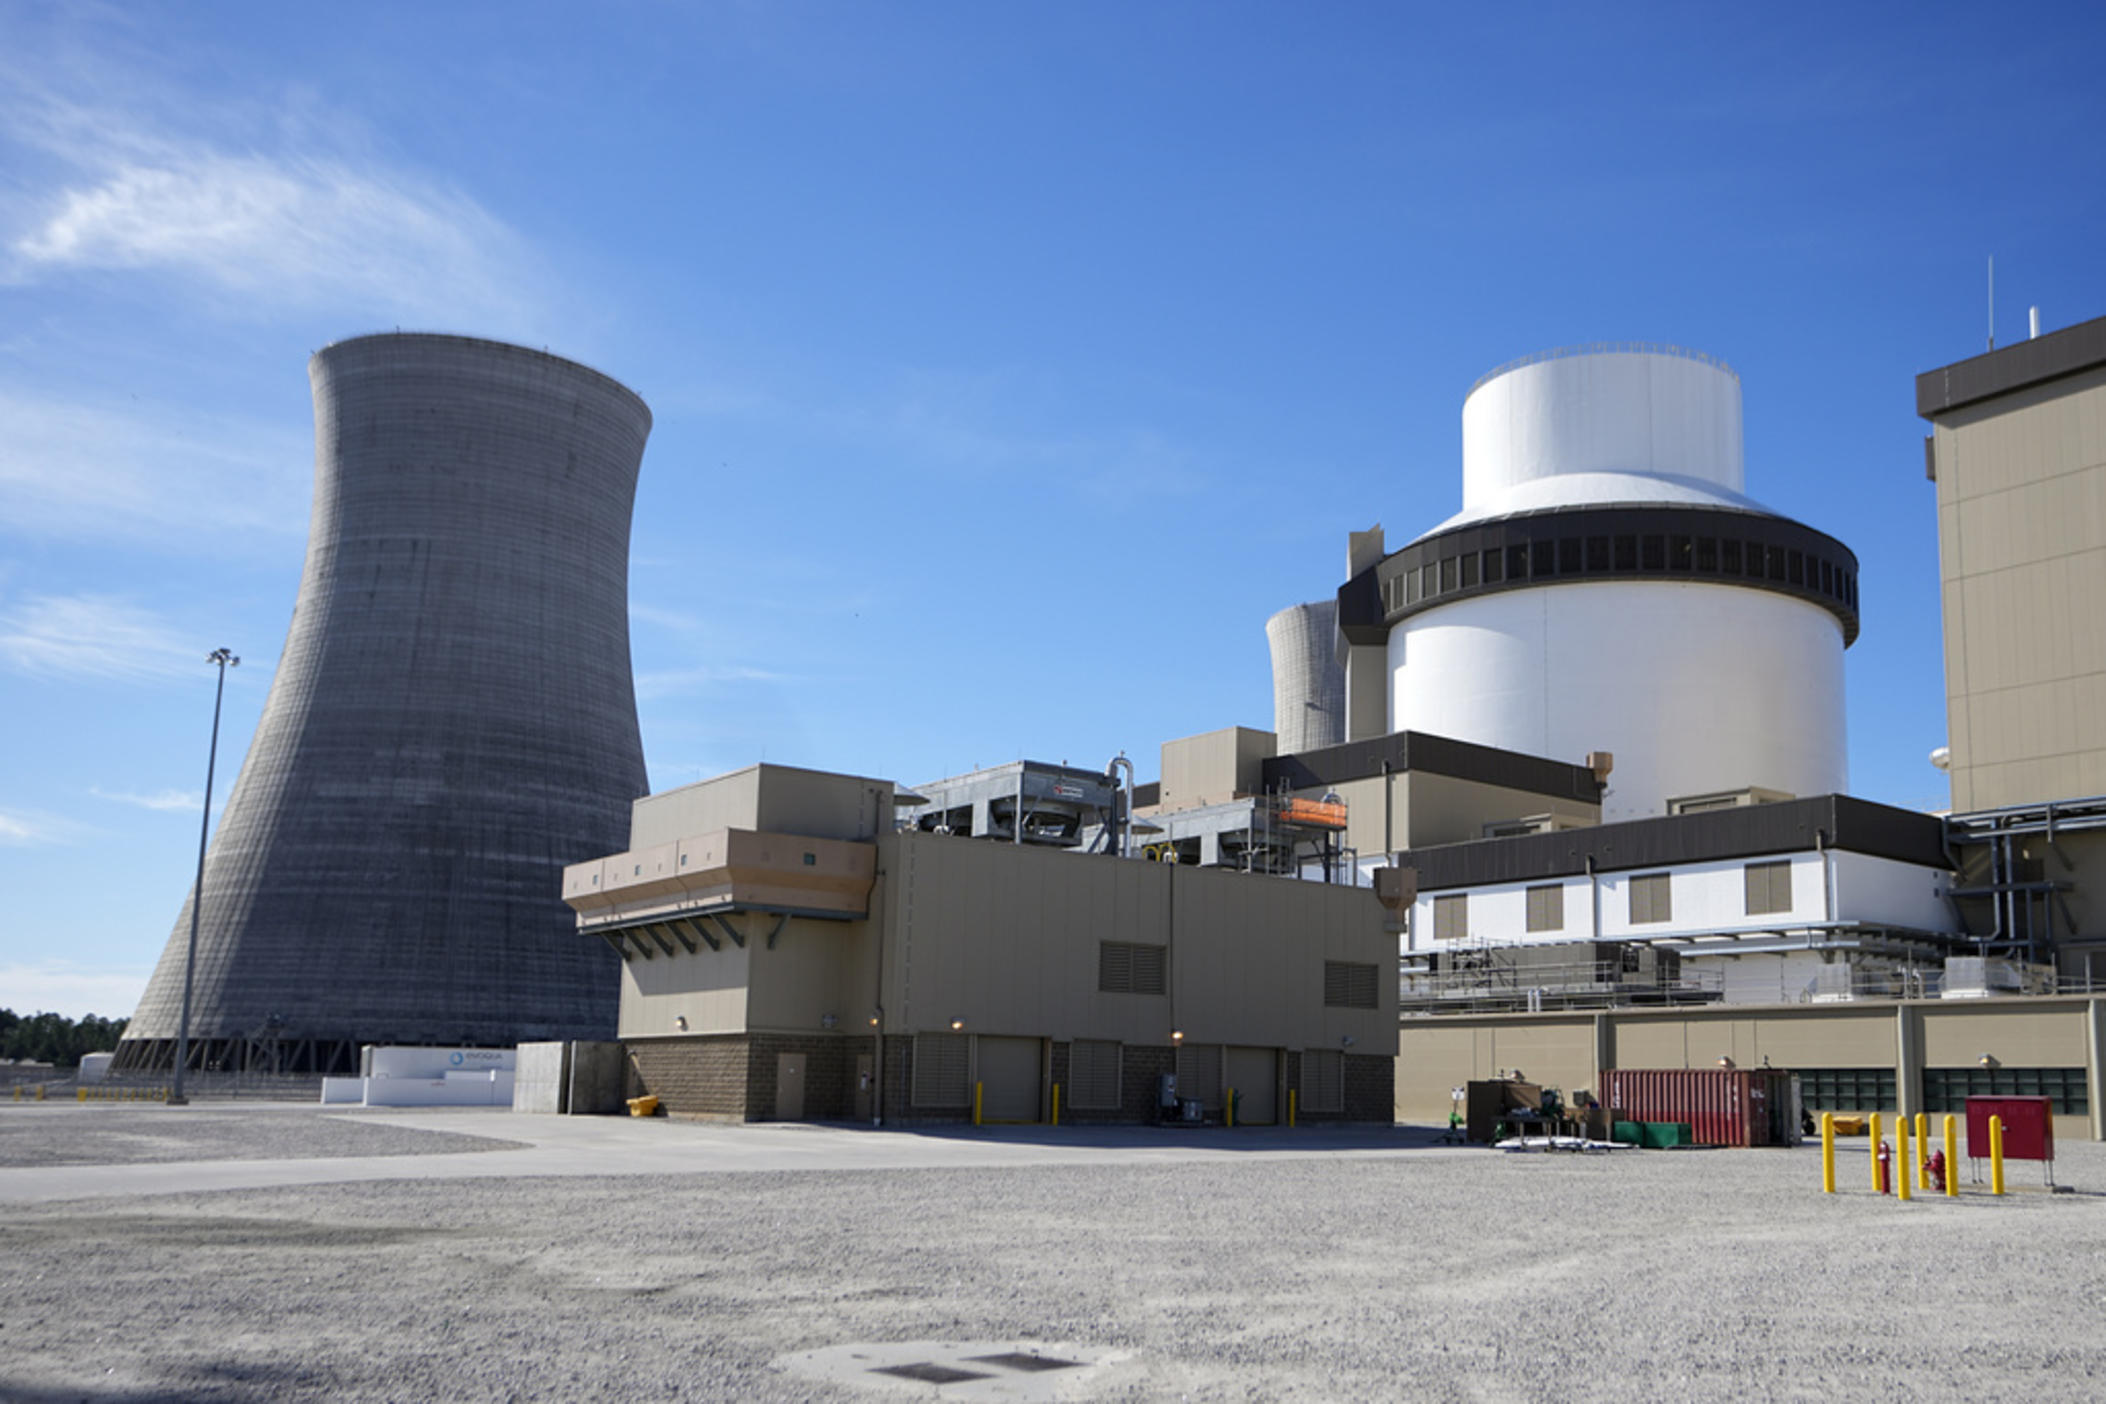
x=2033 y=323
x=451 y=721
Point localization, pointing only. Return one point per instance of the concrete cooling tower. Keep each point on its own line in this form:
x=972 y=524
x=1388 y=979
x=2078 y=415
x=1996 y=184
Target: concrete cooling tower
x=451 y=722
x=1308 y=681
x=1608 y=587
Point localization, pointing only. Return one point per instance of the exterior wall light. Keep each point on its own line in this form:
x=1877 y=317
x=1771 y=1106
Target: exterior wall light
x=1724 y=1061
x=1177 y=1035
x=1988 y=1061
x=680 y=1022
x=957 y=1024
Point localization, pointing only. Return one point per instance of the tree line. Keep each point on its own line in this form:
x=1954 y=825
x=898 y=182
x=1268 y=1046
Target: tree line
x=53 y=1038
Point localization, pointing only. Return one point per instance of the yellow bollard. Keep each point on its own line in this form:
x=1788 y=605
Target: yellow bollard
x=1952 y=1157
x=1904 y=1172
x=40 y=1091
x=80 y=1094
x=978 y=1088
x=1996 y=1155
x=1828 y=1152
x=1056 y=1104
x=1228 y=1107
x=1873 y=1147
x=1293 y=1095
x=1923 y=1150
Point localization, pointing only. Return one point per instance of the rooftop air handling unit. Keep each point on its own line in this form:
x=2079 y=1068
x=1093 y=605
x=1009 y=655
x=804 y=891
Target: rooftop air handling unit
x=1607 y=586
x=452 y=720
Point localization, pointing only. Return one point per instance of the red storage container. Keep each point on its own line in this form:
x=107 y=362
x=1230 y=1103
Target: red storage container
x=2029 y=1127
x=1722 y=1106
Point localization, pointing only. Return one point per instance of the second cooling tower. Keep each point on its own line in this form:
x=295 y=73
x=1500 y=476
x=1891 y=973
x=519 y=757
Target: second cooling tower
x=451 y=722
x=1607 y=586
x=1308 y=683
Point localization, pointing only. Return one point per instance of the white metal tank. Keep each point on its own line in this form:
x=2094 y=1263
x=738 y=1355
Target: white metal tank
x=1608 y=587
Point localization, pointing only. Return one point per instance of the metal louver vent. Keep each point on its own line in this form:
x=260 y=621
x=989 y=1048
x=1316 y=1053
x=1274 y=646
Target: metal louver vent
x=1093 y=1074
x=1126 y=967
x=1350 y=985
x=942 y=1070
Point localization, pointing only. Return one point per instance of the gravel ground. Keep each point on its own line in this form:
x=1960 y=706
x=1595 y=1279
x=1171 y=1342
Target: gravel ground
x=117 y=1134
x=1423 y=1274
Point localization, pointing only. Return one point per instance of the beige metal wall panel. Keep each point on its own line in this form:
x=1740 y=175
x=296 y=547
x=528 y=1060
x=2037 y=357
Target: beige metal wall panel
x=1552 y=1052
x=707 y=988
x=1214 y=767
x=1006 y=939
x=2021 y=489
x=1367 y=692
x=2017 y=1035
x=1433 y=1057
x=1652 y=1043
x=816 y=969
x=726 y=802
x=1442 y=809
x=782 y=798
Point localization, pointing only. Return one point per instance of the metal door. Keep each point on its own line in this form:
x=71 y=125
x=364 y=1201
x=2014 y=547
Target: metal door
x=864 y=1081
x=1254 y=1073
x=789 y=1087
x=1009 y=1079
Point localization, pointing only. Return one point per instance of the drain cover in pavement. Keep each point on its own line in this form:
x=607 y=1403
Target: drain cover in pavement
x=929 y=1372
x=1011 y=1370
x=1017 y=1360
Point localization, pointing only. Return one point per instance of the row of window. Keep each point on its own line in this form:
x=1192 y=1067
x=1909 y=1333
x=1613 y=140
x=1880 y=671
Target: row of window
x=1944 y=1089
x=1651 y=898
x=1625 y=553
x=1132 y=967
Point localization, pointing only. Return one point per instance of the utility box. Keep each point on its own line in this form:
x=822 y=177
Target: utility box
x=1486 y=1104
x=2029 y=1127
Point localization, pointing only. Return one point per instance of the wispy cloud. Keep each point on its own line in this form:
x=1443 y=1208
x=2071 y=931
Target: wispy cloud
x=275 y=208
x=166 y=801
x=94 y=636
x=76 y=469
x=656 y=685
x=31 y=828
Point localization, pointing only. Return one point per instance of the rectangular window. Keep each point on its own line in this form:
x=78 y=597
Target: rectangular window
x=1849 y=1089
x=1411 y=586
x=1323 y=1080
x=1546 y=907
x=1681 y=553
x=1569 y=555
x=1543 y=559
x=1597 y=555
x=1947 y=1089
x=1429 y=580
x=1469 y=570
x=1797 y=567
x=1448 y=576
x=1451 y=917
x=1350 y=984
x=1827 y=578
x=1769 y=888
x=1127 y=967
x=1653 y=552
x=1729 y=556
x=1776 y=558
x=1517 y=563
x=1707 y=554
x=1651 y=899
x=942 y=1076
x=1627 y=553
x=1494 y=567
x=1093 y=1074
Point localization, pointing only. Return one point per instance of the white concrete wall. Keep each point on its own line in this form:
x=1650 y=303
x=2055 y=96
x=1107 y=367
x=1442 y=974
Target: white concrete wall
x=1707 y=899
x=1694 y=686
x=1627 y=412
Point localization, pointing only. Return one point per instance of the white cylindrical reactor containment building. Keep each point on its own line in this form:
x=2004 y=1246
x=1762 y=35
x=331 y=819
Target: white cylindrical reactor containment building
x=1608 y=587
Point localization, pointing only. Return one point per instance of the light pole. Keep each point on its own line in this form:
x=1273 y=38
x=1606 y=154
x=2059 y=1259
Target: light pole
x=225 y=659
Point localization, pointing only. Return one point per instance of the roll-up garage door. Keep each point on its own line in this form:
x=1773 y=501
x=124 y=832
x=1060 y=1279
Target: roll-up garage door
x=1009 y=1078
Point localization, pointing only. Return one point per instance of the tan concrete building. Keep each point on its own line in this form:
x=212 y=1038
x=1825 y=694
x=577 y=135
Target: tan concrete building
x=787 y=954
x=2018 y=452
x=1903 y=1055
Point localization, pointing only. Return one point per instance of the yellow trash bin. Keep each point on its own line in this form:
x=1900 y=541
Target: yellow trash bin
x=643 y=1106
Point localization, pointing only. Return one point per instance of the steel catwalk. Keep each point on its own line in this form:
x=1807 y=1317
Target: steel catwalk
x=452 y=720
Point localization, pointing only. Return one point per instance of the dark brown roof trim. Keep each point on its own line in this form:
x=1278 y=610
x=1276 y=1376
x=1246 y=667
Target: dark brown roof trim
x=2070 y=351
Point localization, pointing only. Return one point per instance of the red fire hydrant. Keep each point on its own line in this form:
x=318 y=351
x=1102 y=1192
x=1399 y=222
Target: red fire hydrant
x=1886 y=1167
x=1936 y=1170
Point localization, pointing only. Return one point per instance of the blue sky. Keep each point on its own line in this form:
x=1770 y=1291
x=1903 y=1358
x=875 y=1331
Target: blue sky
x=1010 y=364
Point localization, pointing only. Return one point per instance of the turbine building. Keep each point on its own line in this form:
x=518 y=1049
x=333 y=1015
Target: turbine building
x=451 y=722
